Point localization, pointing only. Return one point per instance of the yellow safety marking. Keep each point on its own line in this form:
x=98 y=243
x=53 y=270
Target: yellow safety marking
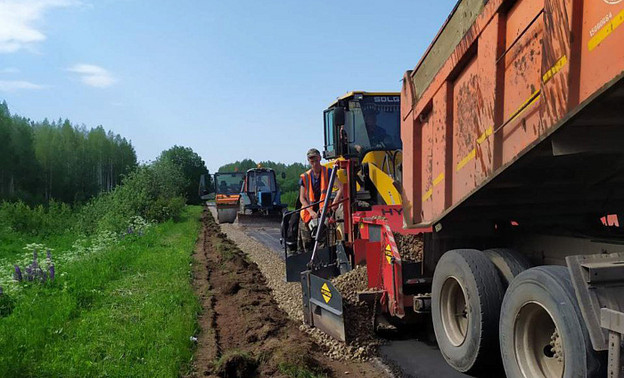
x=326 y=293
x=489 y=131
x=467 y=159
x=388 y=253
x=438 y=179
x=473 y=153
x=530 y=101
x=485 y=134
x=554 y=69
x=606 y=31
x=428 y=194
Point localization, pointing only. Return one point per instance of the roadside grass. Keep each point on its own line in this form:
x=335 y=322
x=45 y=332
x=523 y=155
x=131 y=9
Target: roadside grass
x=127 y=311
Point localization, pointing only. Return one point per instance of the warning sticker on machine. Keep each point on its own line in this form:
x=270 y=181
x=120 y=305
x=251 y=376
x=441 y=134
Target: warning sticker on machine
x=326 y=293
x=388 y=253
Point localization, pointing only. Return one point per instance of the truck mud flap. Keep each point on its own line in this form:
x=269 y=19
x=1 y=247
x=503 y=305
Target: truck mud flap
x=296 y=264
x=322 y=306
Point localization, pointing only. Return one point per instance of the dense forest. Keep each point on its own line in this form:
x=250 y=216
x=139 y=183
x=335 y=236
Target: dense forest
x=289 y=185
x=40 y=161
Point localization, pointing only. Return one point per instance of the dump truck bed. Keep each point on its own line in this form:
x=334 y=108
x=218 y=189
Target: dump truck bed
x=523 y=120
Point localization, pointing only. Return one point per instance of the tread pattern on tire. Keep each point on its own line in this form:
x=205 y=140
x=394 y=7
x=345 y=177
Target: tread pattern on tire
x=490 y=295
x=515 y=262
x=559 y=278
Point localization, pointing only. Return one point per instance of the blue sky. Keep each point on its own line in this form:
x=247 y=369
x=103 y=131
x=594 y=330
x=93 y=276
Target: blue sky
x=230 y=79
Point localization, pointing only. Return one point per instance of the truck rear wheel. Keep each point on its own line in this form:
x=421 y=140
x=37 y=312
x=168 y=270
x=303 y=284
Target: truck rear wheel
x=508 y=262
x=542 y=333
x=466 y=298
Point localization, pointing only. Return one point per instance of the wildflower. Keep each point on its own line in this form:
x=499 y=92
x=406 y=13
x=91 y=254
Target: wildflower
x=1 y=291
x=17 y=276
x=29 y=273
x=51 y=271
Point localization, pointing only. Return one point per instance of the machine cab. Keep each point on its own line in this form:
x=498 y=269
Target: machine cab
x=260 y=180
x=228 y=183
x=359 y=122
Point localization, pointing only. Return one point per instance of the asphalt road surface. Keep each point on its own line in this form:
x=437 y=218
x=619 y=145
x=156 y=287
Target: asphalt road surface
x=413 y=357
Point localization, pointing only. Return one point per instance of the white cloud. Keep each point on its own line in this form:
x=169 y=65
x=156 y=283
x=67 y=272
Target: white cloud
x=94 y=76
x=10 y=86
x=19 y=21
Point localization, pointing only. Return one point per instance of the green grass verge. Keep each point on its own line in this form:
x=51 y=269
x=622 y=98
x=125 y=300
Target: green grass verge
x=127 y=311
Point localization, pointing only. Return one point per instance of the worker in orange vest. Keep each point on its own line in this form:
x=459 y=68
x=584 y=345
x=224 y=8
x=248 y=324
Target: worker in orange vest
x=314 y=187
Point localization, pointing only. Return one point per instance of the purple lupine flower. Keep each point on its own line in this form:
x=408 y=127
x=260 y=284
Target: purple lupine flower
x=1 y=291
x=49 y=256
x=29 y=273
x=41 y=274
x=17 y=276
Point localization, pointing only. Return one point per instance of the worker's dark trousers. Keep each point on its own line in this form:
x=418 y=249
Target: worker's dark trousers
x=305 y=242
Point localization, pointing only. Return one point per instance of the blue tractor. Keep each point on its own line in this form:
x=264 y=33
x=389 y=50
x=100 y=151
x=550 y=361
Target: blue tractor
x=260 y=195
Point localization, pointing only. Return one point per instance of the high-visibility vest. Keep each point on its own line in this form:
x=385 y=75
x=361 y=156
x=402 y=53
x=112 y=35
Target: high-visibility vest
x=307 y=185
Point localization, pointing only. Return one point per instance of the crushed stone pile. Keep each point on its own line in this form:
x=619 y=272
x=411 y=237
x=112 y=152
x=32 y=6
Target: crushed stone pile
x=358 y=315
x=410 y=246
x=351 y=283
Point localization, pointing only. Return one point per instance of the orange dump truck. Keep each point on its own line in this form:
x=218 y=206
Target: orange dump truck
x=513 y=154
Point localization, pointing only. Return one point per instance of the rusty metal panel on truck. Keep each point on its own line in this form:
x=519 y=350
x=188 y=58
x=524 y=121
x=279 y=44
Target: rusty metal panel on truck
x=524 y=71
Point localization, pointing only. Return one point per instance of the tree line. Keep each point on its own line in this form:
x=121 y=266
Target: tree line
x=40 y=161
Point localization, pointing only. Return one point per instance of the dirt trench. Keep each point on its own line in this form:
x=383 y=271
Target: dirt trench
x=243 y=331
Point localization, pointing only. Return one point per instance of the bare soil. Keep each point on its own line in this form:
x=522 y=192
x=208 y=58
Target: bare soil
x=243 y=332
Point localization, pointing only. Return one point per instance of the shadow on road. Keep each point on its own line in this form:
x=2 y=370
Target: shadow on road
x=413 y=351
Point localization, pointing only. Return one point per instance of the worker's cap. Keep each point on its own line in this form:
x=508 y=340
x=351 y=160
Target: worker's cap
x=313 y=152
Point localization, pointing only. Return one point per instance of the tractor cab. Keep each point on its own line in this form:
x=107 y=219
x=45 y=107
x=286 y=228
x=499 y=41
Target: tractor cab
x=260 y=193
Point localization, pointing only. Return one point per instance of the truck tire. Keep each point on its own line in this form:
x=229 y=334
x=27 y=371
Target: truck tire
x=542 y=332
x=508 y=262
x=466 y=296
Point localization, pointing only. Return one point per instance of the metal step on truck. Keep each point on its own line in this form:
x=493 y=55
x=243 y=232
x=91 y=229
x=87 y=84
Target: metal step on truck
x=512 y=171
